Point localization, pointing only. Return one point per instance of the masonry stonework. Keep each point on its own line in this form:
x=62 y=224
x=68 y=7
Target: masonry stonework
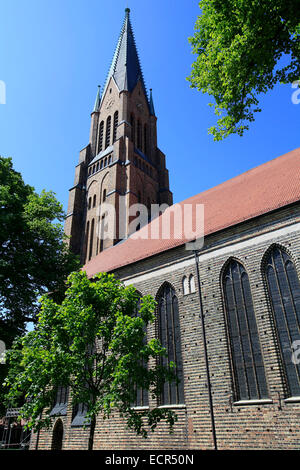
x=265 y=424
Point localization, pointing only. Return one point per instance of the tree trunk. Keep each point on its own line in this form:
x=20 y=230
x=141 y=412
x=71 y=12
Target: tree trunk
x=92 y=433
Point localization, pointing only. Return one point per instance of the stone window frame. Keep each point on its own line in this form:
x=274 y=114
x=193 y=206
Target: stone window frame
x=237 y=400
x=179 y=392
x=288 y=397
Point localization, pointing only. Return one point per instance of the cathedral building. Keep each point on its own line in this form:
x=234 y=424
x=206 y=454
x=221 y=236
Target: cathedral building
x=228 y=309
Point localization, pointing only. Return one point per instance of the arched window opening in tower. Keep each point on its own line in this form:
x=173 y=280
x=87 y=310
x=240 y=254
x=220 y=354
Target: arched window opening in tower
x=132 y=122
x=284 y=291
x=102 y=228
x=133 y=129
x=139 y=135
x=87 y=239
x=246 y=357
x=149 y=208
x=108 y=132
x=94 y=200
x=90 y=203
x=116 y=122
x=92 y=239
x=104 y=195
x=101 y=132
x=169 y=335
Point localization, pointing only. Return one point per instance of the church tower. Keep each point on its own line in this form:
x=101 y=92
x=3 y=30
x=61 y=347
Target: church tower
x=121 y=165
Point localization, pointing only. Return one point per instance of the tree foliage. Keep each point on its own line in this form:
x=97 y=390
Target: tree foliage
x=34 y=257
x=94 y=342
x=239 y=44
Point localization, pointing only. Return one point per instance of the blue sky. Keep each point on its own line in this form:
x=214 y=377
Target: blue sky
x=54 y=53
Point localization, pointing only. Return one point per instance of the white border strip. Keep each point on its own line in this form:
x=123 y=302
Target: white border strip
x=217 y=252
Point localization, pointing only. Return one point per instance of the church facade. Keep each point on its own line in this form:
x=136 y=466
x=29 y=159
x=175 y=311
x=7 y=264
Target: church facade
x=228 y=310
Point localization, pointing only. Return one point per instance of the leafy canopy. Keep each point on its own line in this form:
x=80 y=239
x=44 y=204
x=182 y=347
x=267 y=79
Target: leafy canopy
x=94 y=342
x=34 y=258
x=239 y=44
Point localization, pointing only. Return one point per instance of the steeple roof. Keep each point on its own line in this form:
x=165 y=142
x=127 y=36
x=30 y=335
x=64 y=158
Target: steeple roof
x=126 y=68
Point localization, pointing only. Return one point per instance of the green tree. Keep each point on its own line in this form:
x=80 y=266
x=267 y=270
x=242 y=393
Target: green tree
x=34 y=257
x=239 y=44
x=93 y=342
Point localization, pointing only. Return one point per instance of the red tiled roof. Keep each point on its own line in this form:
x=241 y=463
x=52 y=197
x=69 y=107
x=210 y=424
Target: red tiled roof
x=265 y=188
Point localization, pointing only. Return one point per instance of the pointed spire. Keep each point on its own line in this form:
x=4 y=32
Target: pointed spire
x=98 y=101
x=126 y=68
x=151 y=104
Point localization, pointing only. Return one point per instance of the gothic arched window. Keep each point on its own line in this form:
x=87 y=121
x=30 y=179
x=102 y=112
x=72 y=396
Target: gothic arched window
x=132 y=122
x=79 y=415
x=139 y=135
x=116 y=122
x=91 y=239
x=145 y=139
x=108 y=132
x=61 y=402
x=87 y=238
x=101 y=132
x=192 y=287
x=169 y=335
x=284 y=290
x=247 y=362
x=185 y=285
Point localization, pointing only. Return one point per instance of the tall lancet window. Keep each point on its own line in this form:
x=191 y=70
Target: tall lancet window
x=169 y=335
x=145 y=139
x=139 y=135
x=87 y=240
x=108 y=132
x=246 y=356
x=61 y=402
x=101 y=133
x=91 y=239
x=284 y=290
x=116 y=122
x=132 y=122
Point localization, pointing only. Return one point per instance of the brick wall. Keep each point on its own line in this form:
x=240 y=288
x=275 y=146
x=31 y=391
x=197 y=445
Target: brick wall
x=272 y=425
